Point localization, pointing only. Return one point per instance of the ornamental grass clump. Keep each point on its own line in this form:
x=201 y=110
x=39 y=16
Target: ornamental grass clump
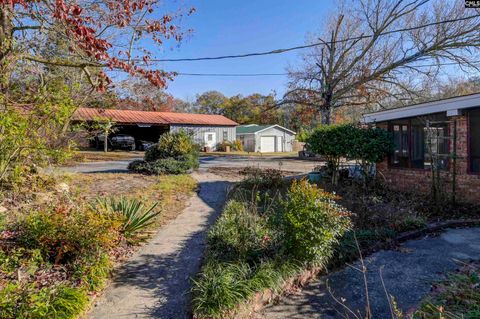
x=135 y=216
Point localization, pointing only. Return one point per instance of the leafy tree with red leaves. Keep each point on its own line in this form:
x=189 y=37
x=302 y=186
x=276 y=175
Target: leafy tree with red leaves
x=100 y=35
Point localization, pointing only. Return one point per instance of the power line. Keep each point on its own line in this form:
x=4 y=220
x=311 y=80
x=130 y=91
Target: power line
x=232 y=74
x=300 y=47
x=284 y=74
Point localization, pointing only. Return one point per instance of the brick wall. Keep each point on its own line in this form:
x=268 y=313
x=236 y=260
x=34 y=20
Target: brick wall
x=419 y=180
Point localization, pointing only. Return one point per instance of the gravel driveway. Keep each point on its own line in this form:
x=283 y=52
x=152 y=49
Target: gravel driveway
x=287 y=164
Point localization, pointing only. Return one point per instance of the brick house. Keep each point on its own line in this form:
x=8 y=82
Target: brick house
x=430 y=133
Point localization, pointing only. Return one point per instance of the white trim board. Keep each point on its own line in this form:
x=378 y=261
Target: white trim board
x=451 y=106
x=276 y=125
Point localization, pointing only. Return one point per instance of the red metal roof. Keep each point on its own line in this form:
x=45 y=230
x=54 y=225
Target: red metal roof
x=144 y=117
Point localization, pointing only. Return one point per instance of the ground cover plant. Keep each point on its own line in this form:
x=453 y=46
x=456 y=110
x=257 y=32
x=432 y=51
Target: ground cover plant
x=259 y=242
x=58 y=244
x=175 y=153
x=457 y=297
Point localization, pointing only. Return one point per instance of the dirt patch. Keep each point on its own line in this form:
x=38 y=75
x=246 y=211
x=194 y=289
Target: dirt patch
x=109 y=184
x=171 y=191
x=99 y=156
x=235 y=172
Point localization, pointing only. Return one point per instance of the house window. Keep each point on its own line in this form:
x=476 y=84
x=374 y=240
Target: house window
x=418 y=145
x=209 y=137
x=400 y=157
x=225 y=135
x=474 y=125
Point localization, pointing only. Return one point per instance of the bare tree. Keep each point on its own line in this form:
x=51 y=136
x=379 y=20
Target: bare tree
x=376 y=50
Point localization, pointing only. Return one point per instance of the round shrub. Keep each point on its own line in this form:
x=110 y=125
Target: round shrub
x=175 y=153
x=171 y=145
x=313 y=223
x=366 y=145
x=239 y=233
x=169 y=165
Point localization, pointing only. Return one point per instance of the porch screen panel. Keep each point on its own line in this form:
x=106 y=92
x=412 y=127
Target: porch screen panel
x=400 y=157
x=474 y=116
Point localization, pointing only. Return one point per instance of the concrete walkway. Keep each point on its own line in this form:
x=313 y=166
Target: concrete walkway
x=407 y=272
x=155 y=282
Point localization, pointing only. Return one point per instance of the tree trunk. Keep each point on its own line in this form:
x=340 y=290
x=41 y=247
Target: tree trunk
x=105 y=141
x=326 y=110
x=6 y=46
x=326 y=118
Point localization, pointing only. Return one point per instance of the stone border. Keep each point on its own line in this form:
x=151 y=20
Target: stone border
x=262 y=299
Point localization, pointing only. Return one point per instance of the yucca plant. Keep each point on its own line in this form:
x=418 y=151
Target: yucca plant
x=136 y=216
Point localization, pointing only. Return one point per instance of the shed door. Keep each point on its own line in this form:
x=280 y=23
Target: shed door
x=267 y=144
x=210 y=139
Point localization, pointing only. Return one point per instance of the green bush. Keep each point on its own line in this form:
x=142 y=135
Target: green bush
x=239 y=234
x=67 y=233
x=92 y=271
x=367 y=145
x=164 y=166
x=250 y=249
x=34 y=136
x=175 y=153
x=172 y=145
x=26 y=302
x=313 y=223
x=138 y=166
x=220 y=287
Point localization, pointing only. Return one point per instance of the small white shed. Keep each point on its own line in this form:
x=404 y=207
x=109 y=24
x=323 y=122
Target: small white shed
x=265 y=138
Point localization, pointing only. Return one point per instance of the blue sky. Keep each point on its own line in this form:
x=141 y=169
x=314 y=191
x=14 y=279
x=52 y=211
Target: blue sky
x=236 y=26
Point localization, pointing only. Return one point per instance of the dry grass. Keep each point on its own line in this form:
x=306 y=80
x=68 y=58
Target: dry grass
x=235 y=153
x=171 y=191
x=98 y=156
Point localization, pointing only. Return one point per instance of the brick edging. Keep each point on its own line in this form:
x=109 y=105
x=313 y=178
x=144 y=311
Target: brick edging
x=262 y=299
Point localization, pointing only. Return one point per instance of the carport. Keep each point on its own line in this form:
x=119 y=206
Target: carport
x=207 y=130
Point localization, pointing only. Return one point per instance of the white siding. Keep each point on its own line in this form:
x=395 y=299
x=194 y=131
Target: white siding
x=199 y=132
x=287 y=140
